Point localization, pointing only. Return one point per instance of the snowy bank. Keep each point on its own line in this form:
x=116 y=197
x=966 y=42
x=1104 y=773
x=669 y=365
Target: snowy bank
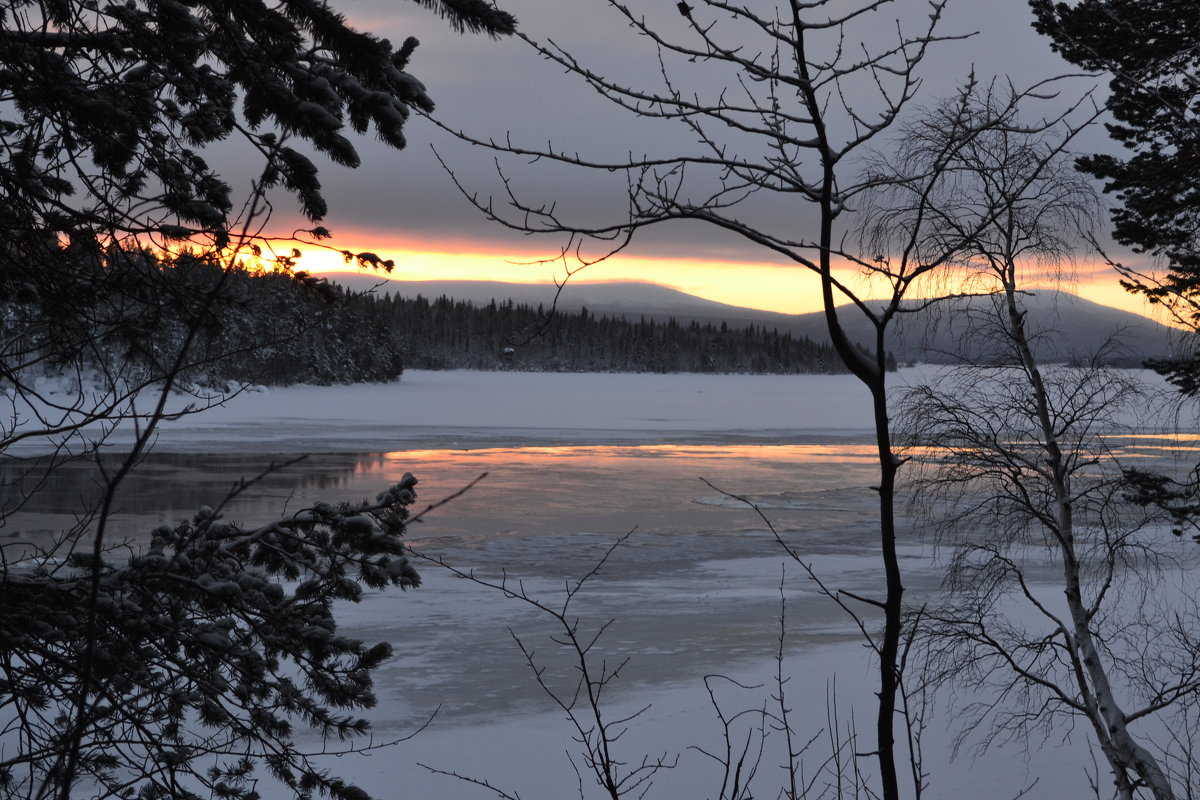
x=470 y=409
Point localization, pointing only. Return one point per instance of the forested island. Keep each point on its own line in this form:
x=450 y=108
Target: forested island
x=452 y=334
x=322 y=333
x=279 y=328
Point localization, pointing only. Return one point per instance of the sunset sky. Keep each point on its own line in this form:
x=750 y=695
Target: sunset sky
x=404 y=206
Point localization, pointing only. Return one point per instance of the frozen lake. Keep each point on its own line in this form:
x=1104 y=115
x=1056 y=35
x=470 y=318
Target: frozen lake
x=695 y=590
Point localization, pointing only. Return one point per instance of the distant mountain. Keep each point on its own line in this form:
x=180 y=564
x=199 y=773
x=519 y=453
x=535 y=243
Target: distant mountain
x=1064 y=327
x=603 y=298
x=1070 y=328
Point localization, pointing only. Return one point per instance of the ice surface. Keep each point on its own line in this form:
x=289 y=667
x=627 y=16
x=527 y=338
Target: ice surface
x=470 y=409
x=574 y=462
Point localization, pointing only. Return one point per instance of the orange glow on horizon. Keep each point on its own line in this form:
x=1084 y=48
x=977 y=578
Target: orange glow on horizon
x=781 y=288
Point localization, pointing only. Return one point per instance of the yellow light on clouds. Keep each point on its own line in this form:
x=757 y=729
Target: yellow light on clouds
x=771 y=287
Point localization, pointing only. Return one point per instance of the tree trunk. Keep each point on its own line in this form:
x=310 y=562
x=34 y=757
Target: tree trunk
x=1123 y=752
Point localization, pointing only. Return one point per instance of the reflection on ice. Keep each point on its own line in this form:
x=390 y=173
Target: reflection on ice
x=828 y=453
x=696 y=590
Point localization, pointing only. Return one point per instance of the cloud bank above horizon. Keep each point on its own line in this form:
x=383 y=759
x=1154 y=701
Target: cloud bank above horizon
x=404 y=205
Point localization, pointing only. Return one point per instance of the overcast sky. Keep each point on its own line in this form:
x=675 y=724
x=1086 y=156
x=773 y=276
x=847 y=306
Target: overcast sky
x=404 y=201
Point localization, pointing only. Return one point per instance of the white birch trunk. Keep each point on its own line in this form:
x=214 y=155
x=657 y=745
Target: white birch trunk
x=1122 y=750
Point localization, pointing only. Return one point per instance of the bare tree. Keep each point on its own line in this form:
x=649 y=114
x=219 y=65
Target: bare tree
x=1020 y=464
x=779 y=106
x=753 y=723
x=583 y=701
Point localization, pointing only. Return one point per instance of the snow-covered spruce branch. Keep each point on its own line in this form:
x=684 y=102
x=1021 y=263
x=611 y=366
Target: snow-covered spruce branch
x=212 y=645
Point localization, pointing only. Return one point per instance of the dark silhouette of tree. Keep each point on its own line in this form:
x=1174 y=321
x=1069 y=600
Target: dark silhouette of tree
x=110 y=105
x=776 y=108
x=215 y=642
x=108 y=111
x=1150 y=50
x=450 y=334
x=132 y=678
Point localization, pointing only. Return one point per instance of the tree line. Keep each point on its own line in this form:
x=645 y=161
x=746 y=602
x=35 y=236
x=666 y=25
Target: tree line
x=281 y=328
x=134 y=317
x=454 y=334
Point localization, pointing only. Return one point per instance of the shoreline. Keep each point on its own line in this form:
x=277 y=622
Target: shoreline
x=462 y=409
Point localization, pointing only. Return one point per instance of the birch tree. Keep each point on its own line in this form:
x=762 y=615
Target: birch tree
x=1021 y=463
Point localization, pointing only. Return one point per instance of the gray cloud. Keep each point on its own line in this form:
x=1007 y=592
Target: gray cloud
x=491 y=88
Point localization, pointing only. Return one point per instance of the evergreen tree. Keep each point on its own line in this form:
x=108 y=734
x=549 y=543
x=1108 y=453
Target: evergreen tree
x=180 y=671
x=1151 y=50
x=458 y=335
x=214 y=643
x=108 y=105
x=107 y=111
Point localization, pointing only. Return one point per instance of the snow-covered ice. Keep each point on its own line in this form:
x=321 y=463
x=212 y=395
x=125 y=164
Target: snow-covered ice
x=462 y=408
x=574 y=462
